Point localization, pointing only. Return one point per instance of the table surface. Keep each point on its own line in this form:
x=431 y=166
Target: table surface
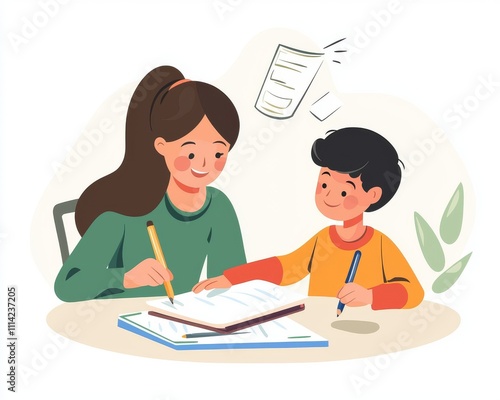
x=358 y=332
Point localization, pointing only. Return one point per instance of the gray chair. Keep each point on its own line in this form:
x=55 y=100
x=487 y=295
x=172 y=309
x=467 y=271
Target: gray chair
x=59 y=211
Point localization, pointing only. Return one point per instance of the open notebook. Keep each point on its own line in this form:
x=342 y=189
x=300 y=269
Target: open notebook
x=229 y=310
x=232 y=309
x=279 y=333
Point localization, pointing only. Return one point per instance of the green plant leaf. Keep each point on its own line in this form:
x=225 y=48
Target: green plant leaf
x=451 y=221
x=429 y=244
x=448 y=278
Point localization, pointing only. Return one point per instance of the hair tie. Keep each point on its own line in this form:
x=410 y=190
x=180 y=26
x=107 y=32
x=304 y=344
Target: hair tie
x=179 y=82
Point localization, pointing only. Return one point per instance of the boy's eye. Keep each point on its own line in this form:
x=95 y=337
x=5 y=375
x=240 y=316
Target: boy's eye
x=218 y=155
x=191 y=156
x=323 y=185
x=343 y=194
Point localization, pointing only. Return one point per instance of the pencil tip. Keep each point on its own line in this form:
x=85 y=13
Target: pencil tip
x=338 y=313
x=171 y=300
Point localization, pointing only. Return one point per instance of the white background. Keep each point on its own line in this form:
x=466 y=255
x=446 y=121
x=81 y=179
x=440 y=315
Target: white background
x=431 y=53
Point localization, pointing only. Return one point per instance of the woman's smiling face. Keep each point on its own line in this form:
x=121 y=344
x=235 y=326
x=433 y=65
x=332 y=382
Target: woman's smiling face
x=196 y=159
x=341 y=197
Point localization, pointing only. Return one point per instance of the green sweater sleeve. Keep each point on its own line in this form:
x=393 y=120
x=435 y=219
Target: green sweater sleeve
x=85 y=274
x=226 y=243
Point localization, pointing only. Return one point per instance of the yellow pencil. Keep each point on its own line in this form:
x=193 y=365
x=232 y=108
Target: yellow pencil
x=155 y=243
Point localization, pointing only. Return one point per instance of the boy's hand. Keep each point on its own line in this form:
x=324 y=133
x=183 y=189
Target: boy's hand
x=219 y=282
x=354 y=295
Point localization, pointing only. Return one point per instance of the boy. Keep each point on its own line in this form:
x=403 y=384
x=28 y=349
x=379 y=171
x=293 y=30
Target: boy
x=359 y=173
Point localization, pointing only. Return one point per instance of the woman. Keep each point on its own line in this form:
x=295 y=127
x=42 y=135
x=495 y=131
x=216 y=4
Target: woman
x=178 y=135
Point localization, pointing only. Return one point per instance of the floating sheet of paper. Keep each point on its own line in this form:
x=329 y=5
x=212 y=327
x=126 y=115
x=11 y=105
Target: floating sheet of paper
x=325 y=106
x=289 y=76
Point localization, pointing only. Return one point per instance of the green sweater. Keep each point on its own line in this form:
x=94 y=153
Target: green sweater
x=115 y=243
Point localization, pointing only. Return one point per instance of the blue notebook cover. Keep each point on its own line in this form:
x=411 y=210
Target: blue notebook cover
x=279 y=333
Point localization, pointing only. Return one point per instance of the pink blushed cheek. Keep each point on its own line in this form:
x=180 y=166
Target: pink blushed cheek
x=350 y=202
x=318 y=188
x=182 y=163
x=220 y=163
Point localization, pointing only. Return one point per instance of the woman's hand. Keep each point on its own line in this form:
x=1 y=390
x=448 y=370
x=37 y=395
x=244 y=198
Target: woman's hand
x=354 y=295
x=219 y=282
x=148 y=272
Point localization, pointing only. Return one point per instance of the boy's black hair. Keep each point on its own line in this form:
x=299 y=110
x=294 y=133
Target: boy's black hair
x=361 y=152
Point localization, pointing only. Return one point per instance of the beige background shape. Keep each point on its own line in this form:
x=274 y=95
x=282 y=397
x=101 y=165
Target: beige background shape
x=270 y=180
x=270 y=177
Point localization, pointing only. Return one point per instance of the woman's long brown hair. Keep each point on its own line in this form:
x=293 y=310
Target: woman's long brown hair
x=140 y=182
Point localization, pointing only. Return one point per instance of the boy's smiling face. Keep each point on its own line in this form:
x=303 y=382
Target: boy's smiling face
x=341 y=197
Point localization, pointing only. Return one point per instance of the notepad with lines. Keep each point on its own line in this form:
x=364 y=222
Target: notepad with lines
x=229 y=310
x=278 y=333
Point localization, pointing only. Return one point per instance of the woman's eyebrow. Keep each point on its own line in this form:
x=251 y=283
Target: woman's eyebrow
x=185 y=143
x=221 y=142
x=326 y=173
x=352 y=183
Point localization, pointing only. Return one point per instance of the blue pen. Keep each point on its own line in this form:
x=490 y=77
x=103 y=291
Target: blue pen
x=350 y=277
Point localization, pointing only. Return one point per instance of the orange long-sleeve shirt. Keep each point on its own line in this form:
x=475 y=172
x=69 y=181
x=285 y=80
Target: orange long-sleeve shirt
x=327 y=258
